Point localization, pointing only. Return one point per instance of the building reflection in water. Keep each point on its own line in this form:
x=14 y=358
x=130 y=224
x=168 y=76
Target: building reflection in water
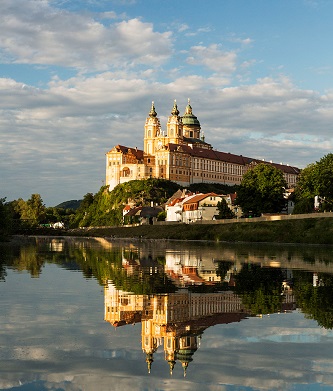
x=176 y=321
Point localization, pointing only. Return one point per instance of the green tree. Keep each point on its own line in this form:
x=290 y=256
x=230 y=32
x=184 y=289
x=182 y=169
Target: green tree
x=36 y=209
x=5 y=219
x=315 y=180
x=30 y=212
x=81 y=217
x=262 y=190
x=224 y=211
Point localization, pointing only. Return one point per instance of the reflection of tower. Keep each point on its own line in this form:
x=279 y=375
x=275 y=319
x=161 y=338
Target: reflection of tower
x=151 y=339
x=170 y=347
x=188 y=345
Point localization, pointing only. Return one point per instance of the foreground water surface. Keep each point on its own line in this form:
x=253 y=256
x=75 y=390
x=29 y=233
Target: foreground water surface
x=99 y=314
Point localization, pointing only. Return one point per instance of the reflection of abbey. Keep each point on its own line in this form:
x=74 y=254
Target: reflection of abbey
x=181 y=155
x=174 y=322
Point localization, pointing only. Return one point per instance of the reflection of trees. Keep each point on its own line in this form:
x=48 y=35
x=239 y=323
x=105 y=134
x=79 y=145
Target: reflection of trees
x=143 y=276
x=315 y=301
x=29 y=260
x=260 y=288
x=223 y=267
x=21 y=258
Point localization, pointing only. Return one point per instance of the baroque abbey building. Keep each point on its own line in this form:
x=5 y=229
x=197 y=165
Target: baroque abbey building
x=181 y=155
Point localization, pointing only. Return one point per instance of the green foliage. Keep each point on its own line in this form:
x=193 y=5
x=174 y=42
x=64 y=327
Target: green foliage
x=28 y=213
x=5 y=220
x=161 y=216
x=144 y=192
x=316 y=180
x=56 y=214
x=262 y=190
x=72 y=204
x=324 y=177
x=105 y=208
x=305 y=188
x=224 y=211
x=218 y=188
x=315 y=230
x=304 y=205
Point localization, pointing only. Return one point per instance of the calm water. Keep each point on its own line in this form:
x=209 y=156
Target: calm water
x=99 y=315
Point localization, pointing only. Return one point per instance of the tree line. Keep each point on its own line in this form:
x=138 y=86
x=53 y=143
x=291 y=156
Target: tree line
x=262 y=190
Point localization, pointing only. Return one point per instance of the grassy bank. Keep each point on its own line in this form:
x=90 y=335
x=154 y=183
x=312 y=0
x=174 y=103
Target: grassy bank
x=310 y=231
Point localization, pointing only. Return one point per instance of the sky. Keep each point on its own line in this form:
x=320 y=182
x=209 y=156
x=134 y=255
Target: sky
x=78 y=77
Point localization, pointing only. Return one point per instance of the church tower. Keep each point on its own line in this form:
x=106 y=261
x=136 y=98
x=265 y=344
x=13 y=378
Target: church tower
x=152 y=131
x=174 y=126
x=191 y=124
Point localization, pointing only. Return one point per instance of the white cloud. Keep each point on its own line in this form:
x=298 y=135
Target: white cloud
x=34 y=33
x=120 y=68
x=214 y=58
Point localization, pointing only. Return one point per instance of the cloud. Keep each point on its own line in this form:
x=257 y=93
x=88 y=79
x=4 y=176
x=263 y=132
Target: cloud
x=213 y=58
x=59 y=129
x=35 y=33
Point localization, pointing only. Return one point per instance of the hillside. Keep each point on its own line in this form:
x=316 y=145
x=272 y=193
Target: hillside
x=72 y=204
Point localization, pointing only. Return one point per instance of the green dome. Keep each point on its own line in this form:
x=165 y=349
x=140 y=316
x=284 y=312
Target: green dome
x=189 y=118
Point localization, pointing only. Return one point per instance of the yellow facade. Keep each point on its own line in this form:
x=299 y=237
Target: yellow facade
x=180 y=154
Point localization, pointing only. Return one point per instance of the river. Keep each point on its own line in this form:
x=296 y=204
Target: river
x=105 y=314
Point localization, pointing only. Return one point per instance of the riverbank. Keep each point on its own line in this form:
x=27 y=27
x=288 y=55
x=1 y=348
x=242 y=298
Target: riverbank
x=302 y=231
x=305 y=231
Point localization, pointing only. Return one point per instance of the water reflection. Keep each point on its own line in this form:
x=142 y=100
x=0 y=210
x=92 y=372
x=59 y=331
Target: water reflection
x=177 y=292
x=175 y=321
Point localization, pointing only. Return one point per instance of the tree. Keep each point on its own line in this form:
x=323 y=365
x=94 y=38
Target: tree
x=262 y=190
x=36 y=209
x=305 y=188
x=30 y=212
x=5 y=219
x=315 y=180
x=224 y=211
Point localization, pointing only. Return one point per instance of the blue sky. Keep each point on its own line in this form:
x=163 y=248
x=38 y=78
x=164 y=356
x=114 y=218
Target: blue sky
x=78 y=77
